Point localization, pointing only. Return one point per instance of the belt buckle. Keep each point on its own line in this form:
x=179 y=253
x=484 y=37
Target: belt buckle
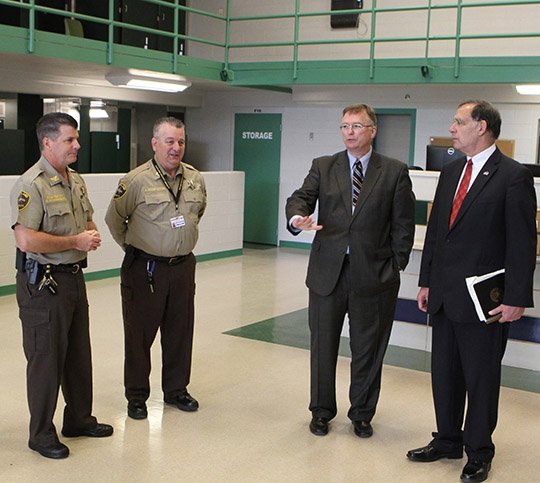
x=75 y=268
x=172 y=260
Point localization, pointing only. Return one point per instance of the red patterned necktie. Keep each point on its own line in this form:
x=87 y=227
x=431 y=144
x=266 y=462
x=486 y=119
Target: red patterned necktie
x=461 y=192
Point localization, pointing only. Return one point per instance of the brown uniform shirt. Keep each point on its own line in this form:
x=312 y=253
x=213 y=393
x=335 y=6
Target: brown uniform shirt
x=143 y=212
x=42 y=200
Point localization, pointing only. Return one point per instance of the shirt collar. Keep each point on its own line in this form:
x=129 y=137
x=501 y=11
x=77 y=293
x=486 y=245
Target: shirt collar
x=53 y=176
x=480 y=159
x=364 y=160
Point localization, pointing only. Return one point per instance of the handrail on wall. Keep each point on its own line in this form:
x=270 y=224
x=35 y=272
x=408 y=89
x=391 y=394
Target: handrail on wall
x=297 y=15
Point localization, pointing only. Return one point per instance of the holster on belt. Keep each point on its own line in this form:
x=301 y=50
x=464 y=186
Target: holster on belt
x=33 y=271
x=129 y=257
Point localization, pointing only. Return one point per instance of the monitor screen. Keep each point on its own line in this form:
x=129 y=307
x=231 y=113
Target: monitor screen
x=438 y=156
x=534 y=169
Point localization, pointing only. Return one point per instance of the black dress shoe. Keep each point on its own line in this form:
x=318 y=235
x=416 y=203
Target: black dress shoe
x=475 y=470
x=137 y=409
x=55 y=451
x=363 y=429
x=319 y=426
x=98 y=431
x=430 y=453
x=184 y=402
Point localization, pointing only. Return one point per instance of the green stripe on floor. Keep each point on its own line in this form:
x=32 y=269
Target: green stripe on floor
x=292 y=330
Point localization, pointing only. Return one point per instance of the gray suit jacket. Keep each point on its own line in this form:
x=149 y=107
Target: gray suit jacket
x=379 y=234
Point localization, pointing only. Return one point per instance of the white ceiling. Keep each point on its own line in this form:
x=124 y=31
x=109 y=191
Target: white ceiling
x=32 y=74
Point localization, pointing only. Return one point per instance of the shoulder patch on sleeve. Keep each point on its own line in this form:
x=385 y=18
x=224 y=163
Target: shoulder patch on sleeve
x=120 y=191
x=23 y=200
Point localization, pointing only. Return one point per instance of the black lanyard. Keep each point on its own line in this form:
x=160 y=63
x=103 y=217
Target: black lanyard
x=176 y=197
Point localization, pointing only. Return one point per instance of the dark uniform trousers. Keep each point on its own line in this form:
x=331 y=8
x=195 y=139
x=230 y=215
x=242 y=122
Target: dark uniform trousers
x=466 y=365
x=370 y=324
x=171 y=309
x=56 y=344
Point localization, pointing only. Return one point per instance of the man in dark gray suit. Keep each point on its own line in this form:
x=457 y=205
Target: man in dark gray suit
x=365 y=233
x=490 y=226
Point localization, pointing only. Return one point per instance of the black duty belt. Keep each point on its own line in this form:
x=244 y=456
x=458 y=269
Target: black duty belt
x=168 y=260
x=72 y=268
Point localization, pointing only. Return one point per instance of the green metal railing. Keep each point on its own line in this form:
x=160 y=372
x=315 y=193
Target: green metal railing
x=374 y=11
x=373 y=40
x=32 y=8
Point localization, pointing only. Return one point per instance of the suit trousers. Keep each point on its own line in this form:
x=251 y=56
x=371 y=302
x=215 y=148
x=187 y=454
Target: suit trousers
x=56 y=344
x=466 y=366
x=370 y=324
x=169 y=308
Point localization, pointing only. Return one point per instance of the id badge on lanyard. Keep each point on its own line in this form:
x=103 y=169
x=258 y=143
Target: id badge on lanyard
x=178 y=221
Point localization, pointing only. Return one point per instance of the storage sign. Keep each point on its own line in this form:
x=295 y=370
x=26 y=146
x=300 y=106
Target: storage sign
x=257 y=135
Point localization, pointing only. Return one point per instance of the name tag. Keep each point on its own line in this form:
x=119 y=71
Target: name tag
x=178 y=222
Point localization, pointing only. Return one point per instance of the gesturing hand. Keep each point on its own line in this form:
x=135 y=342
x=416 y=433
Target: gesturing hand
x=305 y=223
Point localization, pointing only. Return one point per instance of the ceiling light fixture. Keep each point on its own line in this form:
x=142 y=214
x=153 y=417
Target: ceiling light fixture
x=148 y=80
x=98 y=114
x=528 y=89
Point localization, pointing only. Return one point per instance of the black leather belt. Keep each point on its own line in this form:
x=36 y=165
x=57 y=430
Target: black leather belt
x=72 y=268
x=168 y=260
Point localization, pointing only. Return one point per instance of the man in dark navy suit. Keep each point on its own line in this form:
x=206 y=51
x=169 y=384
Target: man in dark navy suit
x=482 y=220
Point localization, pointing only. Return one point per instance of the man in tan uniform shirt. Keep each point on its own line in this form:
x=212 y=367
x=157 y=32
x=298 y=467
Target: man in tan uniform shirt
x=52 y=221
x=154 y=217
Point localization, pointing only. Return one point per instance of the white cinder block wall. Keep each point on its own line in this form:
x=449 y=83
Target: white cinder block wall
x=319 y=112
x=475 y=21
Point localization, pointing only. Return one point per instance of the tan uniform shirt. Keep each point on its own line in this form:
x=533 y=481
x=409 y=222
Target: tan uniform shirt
x=143 y=214
x=43 y=200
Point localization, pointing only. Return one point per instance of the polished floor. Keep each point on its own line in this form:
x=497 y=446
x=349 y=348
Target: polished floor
x=253 y=422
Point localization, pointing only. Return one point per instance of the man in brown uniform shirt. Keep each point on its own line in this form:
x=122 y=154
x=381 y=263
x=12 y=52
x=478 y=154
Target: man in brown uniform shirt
x=154 y=217
x=52 y=221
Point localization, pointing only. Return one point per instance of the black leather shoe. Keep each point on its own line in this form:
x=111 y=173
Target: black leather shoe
x=98 y=431
x=475 y=470
x=430 y=453
x=184 y=402
x=55 y=451
x=137 y=409
x=319 y=426
x=363 y=429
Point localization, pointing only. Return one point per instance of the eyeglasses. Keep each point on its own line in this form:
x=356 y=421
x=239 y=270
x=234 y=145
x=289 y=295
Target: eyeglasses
x=357 y=126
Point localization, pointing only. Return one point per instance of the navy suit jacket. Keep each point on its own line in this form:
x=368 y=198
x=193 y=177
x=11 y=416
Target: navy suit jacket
x=495 y=228
x=379 y=234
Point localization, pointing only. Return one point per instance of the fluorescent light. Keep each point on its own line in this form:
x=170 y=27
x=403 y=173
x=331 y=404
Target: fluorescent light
x=155 y=85
x=529 y=89
x=149 y=80
x=97 y=103
x=98 y=114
